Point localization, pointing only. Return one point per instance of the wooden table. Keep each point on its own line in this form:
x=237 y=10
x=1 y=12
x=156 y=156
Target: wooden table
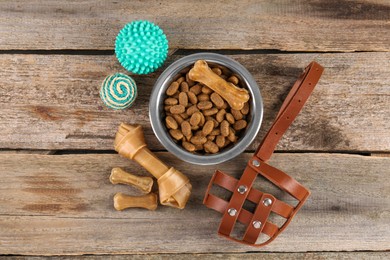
x=57 y=137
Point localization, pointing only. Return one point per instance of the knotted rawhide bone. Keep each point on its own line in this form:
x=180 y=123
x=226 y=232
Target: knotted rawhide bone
x=174 y=187
x=119 y=176
x=257 y=222
x=235 y=96
x=123 y=201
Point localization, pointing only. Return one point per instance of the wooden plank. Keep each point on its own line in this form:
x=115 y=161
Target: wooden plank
x=50 y=201
x=52 y=101
x=299 y=25
x=249 y=256
x=380 y=154
x=47 y=152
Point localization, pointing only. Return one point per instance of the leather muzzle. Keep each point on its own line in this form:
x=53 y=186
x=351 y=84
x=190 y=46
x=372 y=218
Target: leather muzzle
x=258 y=222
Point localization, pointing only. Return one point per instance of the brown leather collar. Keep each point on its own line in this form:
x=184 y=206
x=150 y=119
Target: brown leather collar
x=257 y=222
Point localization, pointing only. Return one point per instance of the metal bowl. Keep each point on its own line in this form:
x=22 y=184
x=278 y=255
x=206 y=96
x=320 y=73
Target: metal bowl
x=156 y=109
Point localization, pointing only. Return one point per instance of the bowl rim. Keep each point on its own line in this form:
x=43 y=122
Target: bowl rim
x=158 y=93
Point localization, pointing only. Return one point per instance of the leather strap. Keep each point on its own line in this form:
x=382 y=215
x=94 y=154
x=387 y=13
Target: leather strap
x=257 y=222
x=291 y=107
x=236 y=202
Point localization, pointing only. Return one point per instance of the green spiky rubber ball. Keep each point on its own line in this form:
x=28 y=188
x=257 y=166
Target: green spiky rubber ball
x=141 y=47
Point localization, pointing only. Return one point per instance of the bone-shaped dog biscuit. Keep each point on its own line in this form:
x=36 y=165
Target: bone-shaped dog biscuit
x=234 y=96
x=123 y=201
x=174 y=187
x=118 y=175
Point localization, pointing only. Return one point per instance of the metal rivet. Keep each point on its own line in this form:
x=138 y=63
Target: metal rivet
x=267 y=202
x=232 y=212
x=242 y=189
x=256 y=224
x=256 y=163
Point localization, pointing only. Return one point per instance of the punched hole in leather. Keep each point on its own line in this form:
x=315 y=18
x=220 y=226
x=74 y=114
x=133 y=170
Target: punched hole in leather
x=257 y=221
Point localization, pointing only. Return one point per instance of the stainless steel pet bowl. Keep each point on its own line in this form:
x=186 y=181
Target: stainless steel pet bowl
x=156 y=109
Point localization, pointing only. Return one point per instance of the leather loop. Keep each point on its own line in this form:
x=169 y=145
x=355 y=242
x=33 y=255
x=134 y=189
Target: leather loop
x=281 y=180
x=257 y=222
x=225 y=181
x=229 y=183
x=259 y=219
x=220 y=205
x=236 y=203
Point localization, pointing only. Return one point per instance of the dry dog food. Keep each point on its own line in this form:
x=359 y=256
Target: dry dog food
x=200 y=119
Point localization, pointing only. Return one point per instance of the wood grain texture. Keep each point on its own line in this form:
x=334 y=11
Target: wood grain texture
x=298 y=25
x=52 y=101
x=248 y=256
x=380 y=154
x=52 y=204
x=46 y=152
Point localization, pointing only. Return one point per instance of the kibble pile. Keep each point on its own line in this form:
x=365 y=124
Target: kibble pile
x=198 y=118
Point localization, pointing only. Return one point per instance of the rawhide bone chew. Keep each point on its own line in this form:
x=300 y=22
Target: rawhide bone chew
x=257 y=222
x=119 y=176
x=235 y=96
x=123 y=201
x=174 y=187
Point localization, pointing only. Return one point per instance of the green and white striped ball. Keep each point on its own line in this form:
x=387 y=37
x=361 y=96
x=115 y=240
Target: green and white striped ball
x=118 y=91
